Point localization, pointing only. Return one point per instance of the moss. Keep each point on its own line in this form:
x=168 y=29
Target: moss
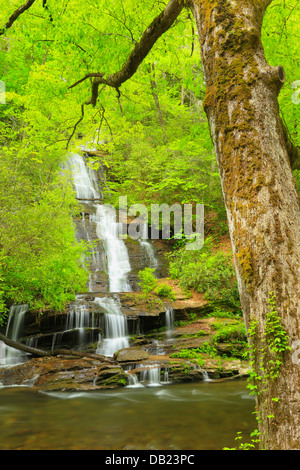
x=245 y=261
x=230 y=49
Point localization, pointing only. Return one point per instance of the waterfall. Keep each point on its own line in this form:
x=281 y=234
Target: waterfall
x=205 y=376
x=84 y=178
x=170 y=322
x=147 y=247
x=133 y=381
x=116 y=336
x=151 y=376
x=13 y=331
x=107 y=229
x=118 y=265
x=79 y=319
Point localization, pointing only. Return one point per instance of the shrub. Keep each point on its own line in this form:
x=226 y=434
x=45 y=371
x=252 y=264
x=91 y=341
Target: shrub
x=163 y=290
x=148 y=281
x=208 y=272
x=230 y=333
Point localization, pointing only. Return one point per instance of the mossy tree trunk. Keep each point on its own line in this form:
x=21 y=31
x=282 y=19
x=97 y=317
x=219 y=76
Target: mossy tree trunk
x=260 y=196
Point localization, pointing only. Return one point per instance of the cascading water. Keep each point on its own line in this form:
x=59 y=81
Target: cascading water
x=103 y=218
x=116 y=335
x=170 y=322
x=84 y=178
x=152 y=375
x=117 y=262
x=147 y=247
x=13 y=330
x=80 y=321
x=118 y=265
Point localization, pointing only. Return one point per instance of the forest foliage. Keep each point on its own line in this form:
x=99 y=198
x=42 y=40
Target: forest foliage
x=153 y=138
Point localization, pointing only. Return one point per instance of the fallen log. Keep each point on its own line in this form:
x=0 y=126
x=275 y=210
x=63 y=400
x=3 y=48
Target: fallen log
x=35 y=352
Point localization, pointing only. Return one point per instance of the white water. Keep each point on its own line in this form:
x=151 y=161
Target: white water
x=118 y=268
x=13 y=331
x=79 y=319
x=116 y=335
x=133 y=381
x=153 y=376
x=170 y=322
x=84 y=178
x=147 y=247
x=118 y=265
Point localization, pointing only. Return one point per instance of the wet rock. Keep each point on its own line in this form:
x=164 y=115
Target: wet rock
x=131 y=355
x=185 y=372
x=111 y=376
x=64 y=374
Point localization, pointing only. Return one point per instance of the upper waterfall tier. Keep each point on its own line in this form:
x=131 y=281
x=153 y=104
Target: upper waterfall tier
x=84 y=178
x=118 y=265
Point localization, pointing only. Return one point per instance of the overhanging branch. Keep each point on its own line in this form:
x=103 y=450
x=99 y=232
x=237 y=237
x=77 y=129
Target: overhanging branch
x=16 y=15
x=142 y=48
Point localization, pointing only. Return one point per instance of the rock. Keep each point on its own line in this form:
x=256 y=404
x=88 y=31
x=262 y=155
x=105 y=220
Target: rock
x=111 y=377
x=131 y=355
x=61 y=374
x=230 y=349
x=185 y=372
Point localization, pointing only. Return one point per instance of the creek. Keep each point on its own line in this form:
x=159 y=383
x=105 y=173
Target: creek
x=202 y=416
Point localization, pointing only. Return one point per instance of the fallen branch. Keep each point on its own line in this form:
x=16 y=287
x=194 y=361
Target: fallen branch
x=35 y=352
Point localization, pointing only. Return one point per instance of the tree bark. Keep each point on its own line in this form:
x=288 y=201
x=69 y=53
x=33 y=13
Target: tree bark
x=260 y=195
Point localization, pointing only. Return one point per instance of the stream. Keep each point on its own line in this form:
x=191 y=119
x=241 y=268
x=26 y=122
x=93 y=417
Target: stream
x=202 y=416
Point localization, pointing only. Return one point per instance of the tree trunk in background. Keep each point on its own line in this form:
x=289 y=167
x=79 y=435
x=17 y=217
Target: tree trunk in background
x=260 y=195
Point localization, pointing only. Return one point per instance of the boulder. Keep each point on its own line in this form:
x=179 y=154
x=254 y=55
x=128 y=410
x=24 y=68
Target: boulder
x=111 y=376
x=131 y=355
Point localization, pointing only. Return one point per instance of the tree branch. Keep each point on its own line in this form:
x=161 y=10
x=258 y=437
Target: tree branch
x=156 y=29
x=74 y=129
x=42 y=353
x=16 y=15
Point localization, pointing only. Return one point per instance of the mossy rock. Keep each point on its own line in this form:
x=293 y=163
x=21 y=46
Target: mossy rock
x=111 y=376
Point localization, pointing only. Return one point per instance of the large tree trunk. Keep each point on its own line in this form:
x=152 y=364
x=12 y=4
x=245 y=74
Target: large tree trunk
x=260 y=196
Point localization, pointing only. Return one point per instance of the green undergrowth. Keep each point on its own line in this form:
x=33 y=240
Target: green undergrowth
x=231 y=333
x=150 y=285
x=209 y=272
